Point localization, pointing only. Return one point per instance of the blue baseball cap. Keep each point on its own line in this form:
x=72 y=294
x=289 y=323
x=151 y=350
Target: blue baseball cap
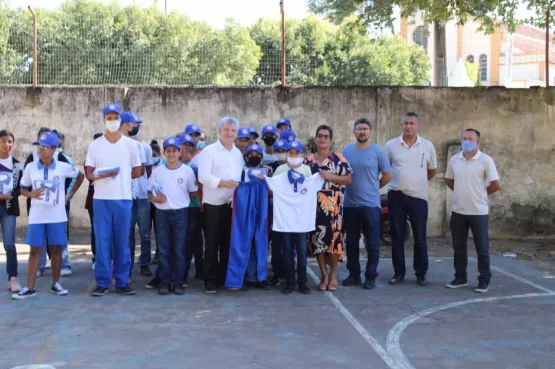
x=139 y=120
x=288 y=135
x=295 y=145
x=48 y=139
x=172 y=141
x=253 y=131
x=128 y=117
x=184 y=138
x=284 y=121
x=192 y=128
x=244 y=133
x=111 y=108
x=269 y=129
x=280 y=145
x=256 y=148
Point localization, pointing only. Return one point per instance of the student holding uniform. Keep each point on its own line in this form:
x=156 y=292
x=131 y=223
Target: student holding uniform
x=294 y=160
x=171 y=187
x=112 y=161
x=43 y=182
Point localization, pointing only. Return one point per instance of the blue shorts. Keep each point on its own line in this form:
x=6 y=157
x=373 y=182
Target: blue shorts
x=54 y=234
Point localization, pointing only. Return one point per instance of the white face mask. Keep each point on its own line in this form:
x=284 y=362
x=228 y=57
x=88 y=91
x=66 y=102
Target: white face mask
x=113 y=125
x=295 y=161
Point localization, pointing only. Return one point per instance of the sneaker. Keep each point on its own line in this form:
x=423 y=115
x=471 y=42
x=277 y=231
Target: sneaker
x=57 y=289
x=99 y=291
x=275 y=281
x=153 y=284
x=48 y=264
x=397 y=278
x=155 y=261
x=369 y=283
x=66 y=272
x=483 y=287
x=40 y=273
x=186 y=284
x=126 y=290
x=25 y=292
x=304 y=289
x=351 y=281
x=164 y=289
x=145 y=272
x=179 y=290
x=457 y=283
x=264 y=286
x=288 y=290
x=422 y=281
x=210 y=287
x=15 y=287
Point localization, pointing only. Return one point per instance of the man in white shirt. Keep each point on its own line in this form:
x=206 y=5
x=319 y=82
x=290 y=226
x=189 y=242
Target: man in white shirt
x=140 y=214
x=112 y=161
x=472 y=176
x=219 y=170
x=413 y=163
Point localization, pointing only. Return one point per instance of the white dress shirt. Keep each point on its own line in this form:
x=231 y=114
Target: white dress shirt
x=409 y=166
x=215 y=164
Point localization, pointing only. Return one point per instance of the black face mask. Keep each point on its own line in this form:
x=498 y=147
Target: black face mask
x=254 y=161
x=134 y=131
x=269 y=140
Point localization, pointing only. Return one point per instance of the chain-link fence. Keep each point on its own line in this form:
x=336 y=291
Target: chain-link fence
x=85 y=42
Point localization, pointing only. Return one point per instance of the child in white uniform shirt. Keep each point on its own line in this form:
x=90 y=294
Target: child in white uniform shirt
x=43 y=182
x=170 y=188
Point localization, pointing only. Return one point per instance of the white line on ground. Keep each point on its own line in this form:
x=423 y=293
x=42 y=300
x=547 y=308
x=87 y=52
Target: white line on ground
x=359 y=328
x=394 y=335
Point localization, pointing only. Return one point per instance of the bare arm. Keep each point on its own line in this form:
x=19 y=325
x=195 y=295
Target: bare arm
x=494 y=187
x=194 y=195
x=431 y=173
x=450 y=183
x=136 y=172
x=386 y=178
x=149 y=171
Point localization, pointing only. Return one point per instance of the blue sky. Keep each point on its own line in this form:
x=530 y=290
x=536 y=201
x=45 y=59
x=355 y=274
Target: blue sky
x=212 y=11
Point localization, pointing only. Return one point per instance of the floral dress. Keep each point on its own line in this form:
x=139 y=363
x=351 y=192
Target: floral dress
x=328 y=236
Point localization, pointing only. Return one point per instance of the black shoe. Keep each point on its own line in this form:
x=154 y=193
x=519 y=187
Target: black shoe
x=264 y=286
x=275 y=281
x=351 y=280
x=483 y=287
x=164 y=289
x=397 y=278
x=210 y=287
x=288 y=290
x=422 y=281
x=155 y=261
x=126 y=290
x=99 y=291
x=179 y=290
x=304 y=289
x=153 y=284
x=145 y=272
x=457 y=283
x=369 y=283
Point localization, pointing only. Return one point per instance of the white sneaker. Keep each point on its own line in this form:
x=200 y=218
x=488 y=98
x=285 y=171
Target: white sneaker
x=48 y=264
x=66 y=272
x=26 y=292
x=57 y=289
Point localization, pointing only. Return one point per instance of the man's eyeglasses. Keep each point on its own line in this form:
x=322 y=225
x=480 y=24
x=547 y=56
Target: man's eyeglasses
x=321 y=136
x=362 y=130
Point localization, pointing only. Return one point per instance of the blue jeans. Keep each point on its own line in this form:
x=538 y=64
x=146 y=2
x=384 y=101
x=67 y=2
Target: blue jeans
x=8 y=238
x=367 y=220
x=402 y=206
x=171 y=236
x=140 y=216
x=289 y=242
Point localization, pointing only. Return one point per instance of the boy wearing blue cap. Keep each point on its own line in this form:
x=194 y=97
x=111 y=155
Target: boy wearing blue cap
x=269 y=136
x=295 y=160
x=283 y=124
x=287 y=135
x=171 y=187
x=254 y=135
x=43 y=182
x=243 y=140
x=195 y=132
x=112 y=161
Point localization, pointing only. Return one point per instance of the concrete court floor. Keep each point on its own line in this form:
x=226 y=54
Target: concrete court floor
x=397 y=327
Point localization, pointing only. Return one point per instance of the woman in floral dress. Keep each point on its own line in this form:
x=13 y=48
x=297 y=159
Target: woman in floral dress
x=326 y=242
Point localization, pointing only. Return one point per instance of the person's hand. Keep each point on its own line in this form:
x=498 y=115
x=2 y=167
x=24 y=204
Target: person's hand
x=326 y=174
x=159 y=199
x=36 y=194
x=229 y=184
x=6 y=197
x=69 y=196
x=105 y=175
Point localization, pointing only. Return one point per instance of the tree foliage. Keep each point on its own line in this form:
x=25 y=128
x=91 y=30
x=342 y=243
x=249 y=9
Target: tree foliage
x=87 y=42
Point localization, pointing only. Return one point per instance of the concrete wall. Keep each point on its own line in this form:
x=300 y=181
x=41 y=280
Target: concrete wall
x=516 y=125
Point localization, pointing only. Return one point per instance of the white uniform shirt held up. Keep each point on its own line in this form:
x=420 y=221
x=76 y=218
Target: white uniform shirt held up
x=104 y=154
x=215 y=164
x=409 y=166
x=472 y=178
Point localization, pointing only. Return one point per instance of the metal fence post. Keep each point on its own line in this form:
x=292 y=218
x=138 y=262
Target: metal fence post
x=283 y=54
x=35 y=43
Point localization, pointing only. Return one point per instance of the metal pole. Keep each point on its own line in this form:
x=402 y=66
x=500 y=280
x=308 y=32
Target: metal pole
x=166 y=6
x=547 y=41
x=283 y=54
x=35 y=57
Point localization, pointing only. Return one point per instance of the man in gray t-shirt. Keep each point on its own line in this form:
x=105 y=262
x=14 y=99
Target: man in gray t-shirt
x=361 y=209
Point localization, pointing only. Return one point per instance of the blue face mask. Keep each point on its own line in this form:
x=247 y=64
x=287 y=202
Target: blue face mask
x=201 y=145
x=468 y=146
